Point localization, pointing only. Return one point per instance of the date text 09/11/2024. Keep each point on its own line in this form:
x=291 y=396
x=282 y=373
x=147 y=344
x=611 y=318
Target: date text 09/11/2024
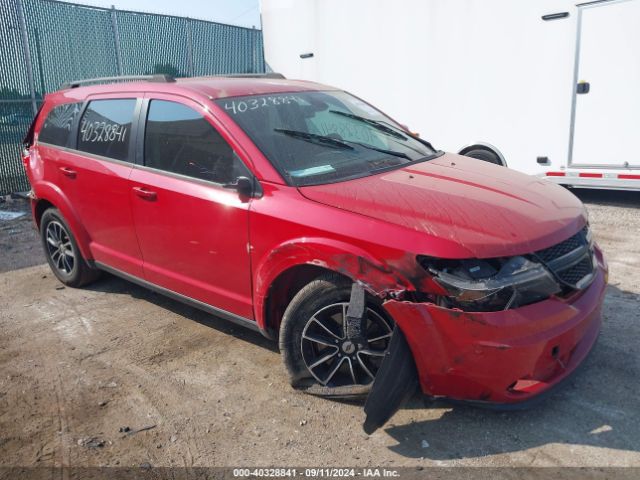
x=315 y=472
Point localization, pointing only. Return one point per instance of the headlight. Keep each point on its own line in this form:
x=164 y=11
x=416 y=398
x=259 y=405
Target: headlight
x=491 y=285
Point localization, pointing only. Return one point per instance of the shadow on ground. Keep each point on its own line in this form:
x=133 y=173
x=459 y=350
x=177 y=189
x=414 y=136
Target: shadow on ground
x=115 y=285
x=614 y=198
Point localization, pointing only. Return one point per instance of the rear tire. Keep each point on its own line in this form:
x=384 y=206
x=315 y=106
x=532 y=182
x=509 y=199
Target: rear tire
x=311 y=330
x=62 y=252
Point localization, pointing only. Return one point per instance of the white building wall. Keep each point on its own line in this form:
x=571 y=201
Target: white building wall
x=456 y=71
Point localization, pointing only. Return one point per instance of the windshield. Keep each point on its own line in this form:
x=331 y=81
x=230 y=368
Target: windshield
x=324 y=137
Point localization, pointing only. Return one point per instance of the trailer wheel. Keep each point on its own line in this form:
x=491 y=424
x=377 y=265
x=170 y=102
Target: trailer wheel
x=484 y=153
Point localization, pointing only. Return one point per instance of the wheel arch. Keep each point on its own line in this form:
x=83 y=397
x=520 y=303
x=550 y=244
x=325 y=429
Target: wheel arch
x=292 y=265
x=483 y=146
x=282 y=290
x=39 y=207
x=50 y=196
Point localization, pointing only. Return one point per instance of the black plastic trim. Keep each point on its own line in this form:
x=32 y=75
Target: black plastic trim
x=140 y=131
x=555 y=16
x=584 y=4
x=161 y=78
x=395 y=382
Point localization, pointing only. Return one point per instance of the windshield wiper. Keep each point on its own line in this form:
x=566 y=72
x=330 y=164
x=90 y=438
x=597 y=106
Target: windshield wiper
x=384 y=127
x=334 y=142
x=314 y=138
x=378 y=125
x=382 y=150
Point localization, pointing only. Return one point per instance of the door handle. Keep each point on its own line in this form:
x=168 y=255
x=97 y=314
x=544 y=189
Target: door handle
x=144 y=193
x=66 y=171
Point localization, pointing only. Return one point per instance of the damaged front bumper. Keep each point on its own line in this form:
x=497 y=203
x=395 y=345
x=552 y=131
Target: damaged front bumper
x=502 y=357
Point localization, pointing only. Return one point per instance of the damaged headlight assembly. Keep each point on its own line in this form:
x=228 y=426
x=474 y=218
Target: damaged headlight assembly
x=492 y=284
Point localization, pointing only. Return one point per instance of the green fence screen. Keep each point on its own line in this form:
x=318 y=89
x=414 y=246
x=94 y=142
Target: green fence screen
x=46 y=43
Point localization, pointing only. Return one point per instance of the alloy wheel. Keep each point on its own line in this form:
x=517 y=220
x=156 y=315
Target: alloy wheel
x=60 y=248
x=333 y=359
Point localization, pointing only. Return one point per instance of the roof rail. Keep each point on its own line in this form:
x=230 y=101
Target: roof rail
x=161 y=78
x=254 y=75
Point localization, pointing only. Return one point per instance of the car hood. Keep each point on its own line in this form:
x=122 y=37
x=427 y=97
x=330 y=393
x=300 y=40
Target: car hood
x=490 y=210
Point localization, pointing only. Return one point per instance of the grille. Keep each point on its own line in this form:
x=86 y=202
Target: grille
x=573 y=275
x=570 y=272
x=565 y=247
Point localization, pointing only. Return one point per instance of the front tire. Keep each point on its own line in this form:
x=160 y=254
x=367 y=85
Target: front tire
x=62 y=252
x=318 y=357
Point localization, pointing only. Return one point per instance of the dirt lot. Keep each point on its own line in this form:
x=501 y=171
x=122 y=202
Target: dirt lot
x=80 y=367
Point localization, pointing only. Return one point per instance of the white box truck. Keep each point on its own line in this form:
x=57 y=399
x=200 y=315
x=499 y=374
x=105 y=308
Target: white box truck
x=547 y=87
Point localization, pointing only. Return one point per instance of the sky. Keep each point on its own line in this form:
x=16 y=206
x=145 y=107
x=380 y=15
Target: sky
x=236 y=12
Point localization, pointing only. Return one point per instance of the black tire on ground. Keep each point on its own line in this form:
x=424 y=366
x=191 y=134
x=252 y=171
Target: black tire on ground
x=62 y=252
x=484 y=155
x=327 y=290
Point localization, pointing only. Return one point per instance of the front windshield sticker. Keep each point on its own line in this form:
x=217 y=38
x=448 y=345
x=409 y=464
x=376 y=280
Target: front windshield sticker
x=306 y=172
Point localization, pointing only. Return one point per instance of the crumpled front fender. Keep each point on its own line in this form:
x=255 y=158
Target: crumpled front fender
x=500 y=357
x=384 y=279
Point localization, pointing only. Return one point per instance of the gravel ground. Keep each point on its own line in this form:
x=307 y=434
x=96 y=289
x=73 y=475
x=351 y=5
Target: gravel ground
x=116 y=375
x=19 y=244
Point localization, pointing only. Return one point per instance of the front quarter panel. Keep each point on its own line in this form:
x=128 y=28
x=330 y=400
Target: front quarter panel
x=288 y=230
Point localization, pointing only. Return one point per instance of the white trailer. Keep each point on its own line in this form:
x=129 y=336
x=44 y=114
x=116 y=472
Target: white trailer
x=547 y=87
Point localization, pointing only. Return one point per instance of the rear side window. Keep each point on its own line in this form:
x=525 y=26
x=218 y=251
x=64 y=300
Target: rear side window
x=180 y=140
x=105 y=128
x=56 y=129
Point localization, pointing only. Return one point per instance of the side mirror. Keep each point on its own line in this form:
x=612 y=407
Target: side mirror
x=243 y=185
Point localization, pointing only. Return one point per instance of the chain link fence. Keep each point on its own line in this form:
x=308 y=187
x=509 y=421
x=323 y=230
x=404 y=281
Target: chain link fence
x=46 y=43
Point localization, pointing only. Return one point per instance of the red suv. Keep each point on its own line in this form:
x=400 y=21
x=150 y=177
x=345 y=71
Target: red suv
x=299 y=210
